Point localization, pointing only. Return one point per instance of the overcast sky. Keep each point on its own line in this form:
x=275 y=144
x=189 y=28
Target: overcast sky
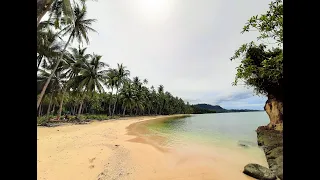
x=184 y=45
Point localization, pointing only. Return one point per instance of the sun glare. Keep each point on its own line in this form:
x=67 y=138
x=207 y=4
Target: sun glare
x=154 y=9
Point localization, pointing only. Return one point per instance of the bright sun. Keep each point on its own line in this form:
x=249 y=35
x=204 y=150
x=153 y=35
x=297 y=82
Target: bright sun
x=154 y=9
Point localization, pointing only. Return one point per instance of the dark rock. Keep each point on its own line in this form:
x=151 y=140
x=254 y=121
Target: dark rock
x=117 y=145
x=259 y=172
x=271 y=162
x=275 y=152
x=272 y=143
x=279 y=160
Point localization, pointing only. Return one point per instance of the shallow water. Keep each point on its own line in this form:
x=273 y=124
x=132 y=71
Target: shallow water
x=215 y=133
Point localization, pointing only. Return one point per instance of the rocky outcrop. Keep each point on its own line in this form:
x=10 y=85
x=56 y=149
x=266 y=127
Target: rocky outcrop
x=274 y=109
x=259 y=172
x=271 y=142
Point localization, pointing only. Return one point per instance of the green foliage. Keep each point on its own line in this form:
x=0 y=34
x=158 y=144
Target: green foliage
x=262 y=68
x=269 y=25
x=198 y=110
x=42 y=120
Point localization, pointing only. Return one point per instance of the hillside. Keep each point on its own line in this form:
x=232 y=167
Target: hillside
x=207 y=108
x=215 y=108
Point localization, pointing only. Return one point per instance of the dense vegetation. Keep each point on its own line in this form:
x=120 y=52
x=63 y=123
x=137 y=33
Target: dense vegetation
x=74 y=82
x=199 y=110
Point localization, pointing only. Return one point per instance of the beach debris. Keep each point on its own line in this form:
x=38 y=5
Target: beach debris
x=117 y=145
x=243 y=145
x=259 y=172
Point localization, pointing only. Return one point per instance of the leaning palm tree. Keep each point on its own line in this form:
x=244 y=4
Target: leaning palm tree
x=91 y=78
x=77 y=29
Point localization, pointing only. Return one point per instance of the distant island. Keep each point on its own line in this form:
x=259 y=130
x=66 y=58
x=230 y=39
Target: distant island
x=207 y=108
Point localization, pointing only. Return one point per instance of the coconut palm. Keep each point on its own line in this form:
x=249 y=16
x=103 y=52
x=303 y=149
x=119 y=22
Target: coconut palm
x=122 y=73
x=48 y=46
x=127 y=96
x=91 y=77
x=73 y=63
x=111 y=82
x=79 y=30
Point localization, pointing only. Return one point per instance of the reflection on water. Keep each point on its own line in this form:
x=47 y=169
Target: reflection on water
x=235 y=131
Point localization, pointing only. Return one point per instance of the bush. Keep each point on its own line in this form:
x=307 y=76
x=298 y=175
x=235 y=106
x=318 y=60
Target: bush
x=43 y=120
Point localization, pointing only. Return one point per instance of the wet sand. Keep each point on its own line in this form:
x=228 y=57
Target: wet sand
x=123 y=149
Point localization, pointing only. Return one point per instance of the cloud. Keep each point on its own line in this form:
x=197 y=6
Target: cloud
x=233 y=97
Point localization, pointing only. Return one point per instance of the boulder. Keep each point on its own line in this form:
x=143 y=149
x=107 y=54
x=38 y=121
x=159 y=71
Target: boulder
x=259 y=172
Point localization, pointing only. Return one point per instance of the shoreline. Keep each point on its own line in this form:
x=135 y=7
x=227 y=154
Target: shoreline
x=84 y=151
x=106 y=150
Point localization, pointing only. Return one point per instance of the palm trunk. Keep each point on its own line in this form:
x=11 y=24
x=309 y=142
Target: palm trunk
x=79 y=111
x=54 y=107
x=52 y=73
x=49 y=107
x=110 y=109
x=39 y=111
x=124 y=111
x=115 y=103
x=61 y=103
x=80 y=108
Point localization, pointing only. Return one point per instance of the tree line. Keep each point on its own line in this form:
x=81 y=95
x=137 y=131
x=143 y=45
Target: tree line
x=72 y=81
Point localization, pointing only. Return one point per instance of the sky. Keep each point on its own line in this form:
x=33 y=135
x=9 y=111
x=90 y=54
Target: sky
x=185 y=45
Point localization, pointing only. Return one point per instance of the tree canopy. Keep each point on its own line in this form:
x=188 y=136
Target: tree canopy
x=262 y=67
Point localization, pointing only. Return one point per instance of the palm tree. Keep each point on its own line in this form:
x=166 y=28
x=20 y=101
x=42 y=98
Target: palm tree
x=91 y=78
x=74 y=61
x=77 y=29
x=58 y=7
x=47 y=46
x=57 y=81
x=122 y=73
x=127 y=96
x=145 y=81
x=111 y=81
x=160 y=97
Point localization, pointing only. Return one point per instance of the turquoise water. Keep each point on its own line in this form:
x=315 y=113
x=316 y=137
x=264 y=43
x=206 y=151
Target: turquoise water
x=223 y=130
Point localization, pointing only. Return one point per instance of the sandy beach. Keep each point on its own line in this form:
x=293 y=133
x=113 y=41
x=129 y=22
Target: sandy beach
x=113 y=149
